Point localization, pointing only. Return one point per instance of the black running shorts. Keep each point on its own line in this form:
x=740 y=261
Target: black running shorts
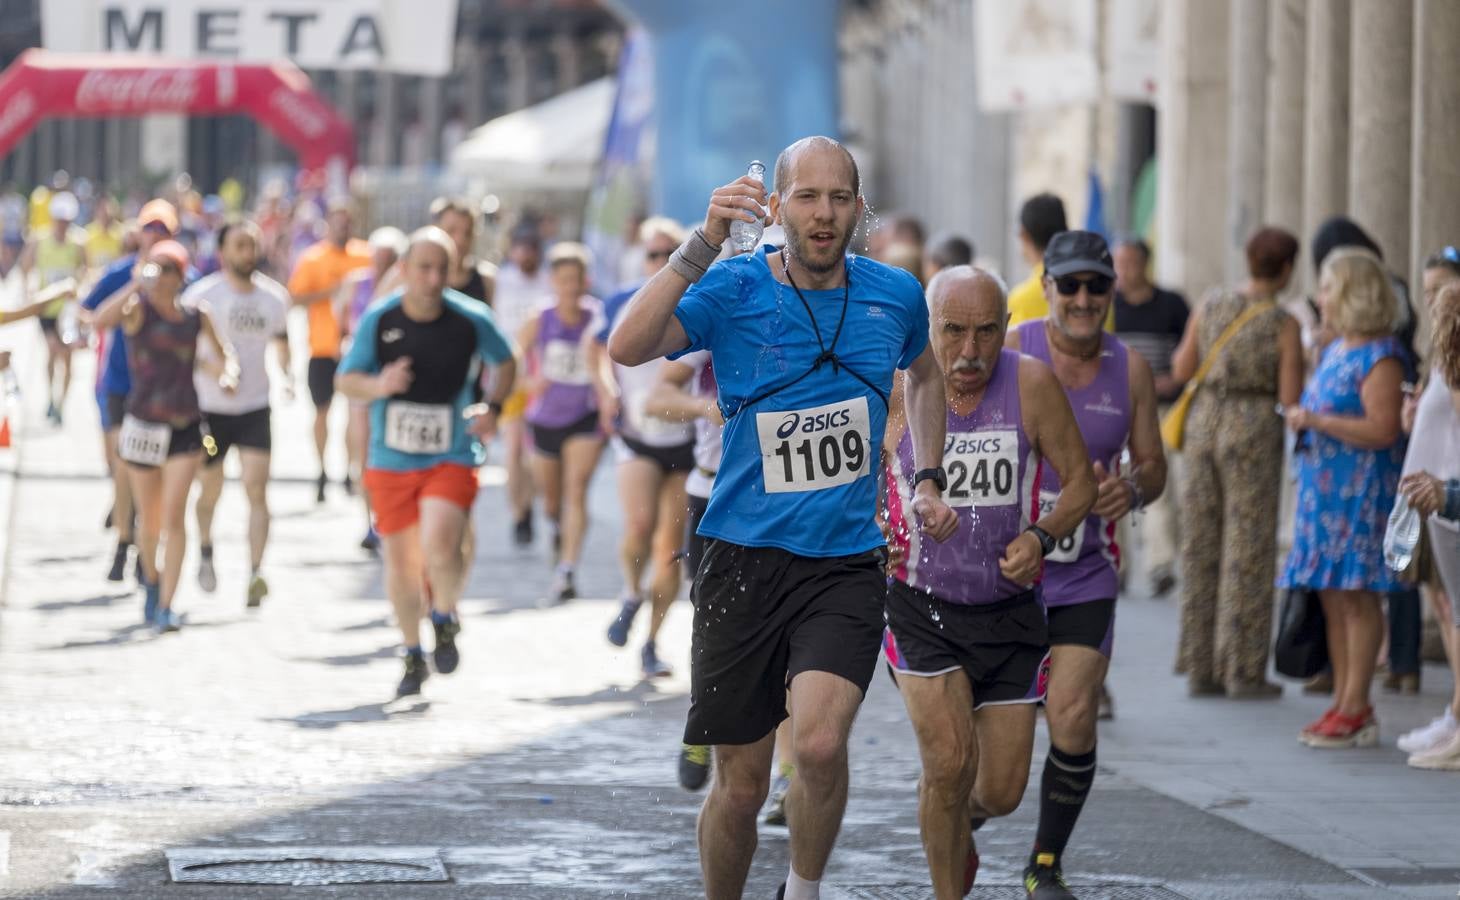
x=694 y=545
x=678 y=458
x=549 y=440
x=1088 y=624
x=763 y=616
x=253 y=430
x=1003 y=647
x=322 y=379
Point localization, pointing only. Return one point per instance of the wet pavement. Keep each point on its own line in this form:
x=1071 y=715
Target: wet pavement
x=545 y=768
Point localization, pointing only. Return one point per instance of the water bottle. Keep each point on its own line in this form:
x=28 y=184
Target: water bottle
x=745 y=235
x=69 y=325
x=1402 y=535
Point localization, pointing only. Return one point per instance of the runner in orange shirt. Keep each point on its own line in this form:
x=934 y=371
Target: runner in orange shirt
x=316 y=279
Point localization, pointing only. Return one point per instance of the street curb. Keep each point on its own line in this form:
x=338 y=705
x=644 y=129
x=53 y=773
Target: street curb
x=31 y=381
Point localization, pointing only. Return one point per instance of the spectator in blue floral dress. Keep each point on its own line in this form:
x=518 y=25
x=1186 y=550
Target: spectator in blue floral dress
x=1349 y=456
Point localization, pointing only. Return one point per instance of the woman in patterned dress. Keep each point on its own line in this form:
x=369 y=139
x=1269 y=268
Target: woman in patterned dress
x=1350 y=450
x=1234 y=464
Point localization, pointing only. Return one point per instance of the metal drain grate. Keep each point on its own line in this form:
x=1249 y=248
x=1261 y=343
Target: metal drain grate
x=1013 y=892
x=305 y=865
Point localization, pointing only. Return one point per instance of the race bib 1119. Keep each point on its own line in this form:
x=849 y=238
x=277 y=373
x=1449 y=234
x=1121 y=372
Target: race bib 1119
x=817 y=448
x=144 y=443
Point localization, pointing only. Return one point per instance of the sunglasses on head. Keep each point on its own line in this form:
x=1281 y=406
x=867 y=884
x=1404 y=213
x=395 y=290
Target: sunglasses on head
x=1069 y=285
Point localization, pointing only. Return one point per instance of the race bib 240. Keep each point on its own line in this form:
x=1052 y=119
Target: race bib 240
x=982 y=468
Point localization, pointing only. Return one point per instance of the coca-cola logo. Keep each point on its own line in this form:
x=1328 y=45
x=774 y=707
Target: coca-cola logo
x=17 y=112
x=147 y=90
x=301 y=114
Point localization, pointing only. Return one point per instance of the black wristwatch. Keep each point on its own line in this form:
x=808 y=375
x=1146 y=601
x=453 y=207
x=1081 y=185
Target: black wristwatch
x=495 y=406
x=1047 y=542
x=940 y=478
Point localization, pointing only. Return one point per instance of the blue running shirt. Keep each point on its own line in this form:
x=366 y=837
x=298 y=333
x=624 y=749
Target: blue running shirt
x=800 y=466
x=424 y=426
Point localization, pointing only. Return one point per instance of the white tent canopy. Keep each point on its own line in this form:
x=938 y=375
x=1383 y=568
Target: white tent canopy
x=553 y=146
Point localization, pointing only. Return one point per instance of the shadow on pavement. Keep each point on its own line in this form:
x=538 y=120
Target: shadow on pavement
x=99 y=600
x=366 y=712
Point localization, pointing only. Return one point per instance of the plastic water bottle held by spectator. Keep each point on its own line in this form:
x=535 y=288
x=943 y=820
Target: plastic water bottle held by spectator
x=744 y=234
x=1402 y=535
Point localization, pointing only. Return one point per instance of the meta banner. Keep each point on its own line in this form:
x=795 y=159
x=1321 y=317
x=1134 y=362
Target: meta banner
x=413 y=37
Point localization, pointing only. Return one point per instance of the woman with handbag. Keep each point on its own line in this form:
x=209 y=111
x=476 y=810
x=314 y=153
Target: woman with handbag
x=1251 y=357
x=1349 y=453
x=1431 y=485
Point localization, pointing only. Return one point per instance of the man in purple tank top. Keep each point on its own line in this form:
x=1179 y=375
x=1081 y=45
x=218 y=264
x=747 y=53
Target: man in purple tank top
x=966 y=636
x=1113 y=395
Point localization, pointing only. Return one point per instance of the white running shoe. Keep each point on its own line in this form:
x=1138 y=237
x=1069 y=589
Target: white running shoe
x=1422 y=740
x=1445 y=757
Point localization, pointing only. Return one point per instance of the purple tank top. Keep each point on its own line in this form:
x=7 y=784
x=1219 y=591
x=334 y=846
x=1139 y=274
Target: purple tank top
x=989 y=461
x=1083 y=566
x=360 y=300
x=160 y=357
x=562 y=359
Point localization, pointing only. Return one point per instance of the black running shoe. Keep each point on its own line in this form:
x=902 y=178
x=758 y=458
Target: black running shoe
x=119 y=563
x=319 y=496
x=522 y=531
x=349 y=486
x=781 y=892
x=1043 y=880
x=694 y=766
x=371 y=541
x=416 y=674
x=446 y=656
x=110 y=516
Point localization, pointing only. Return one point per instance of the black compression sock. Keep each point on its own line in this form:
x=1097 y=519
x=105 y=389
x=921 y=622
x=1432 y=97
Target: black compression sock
x=1062 y=793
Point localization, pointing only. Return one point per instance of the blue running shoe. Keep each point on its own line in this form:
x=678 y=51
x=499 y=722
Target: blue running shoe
x=618 y=631
x=153 y=593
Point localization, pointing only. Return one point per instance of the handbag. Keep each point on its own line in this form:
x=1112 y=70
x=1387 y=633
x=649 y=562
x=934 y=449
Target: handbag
x=1173 y=425
x=1301 y=648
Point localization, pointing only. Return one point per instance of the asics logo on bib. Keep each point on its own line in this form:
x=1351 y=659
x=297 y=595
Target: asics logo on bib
x=813 y=424
x=959 y=443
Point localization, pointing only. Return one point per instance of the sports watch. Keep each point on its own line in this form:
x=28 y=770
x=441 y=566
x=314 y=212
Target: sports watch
x=1047 y=542
x=940 y=478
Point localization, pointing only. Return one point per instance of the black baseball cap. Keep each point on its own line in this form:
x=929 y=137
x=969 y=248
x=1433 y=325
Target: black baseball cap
x=1070 y=252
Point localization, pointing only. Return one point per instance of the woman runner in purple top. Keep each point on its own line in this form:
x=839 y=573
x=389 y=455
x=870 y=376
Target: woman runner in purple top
x=572 y=407
x=161 y=439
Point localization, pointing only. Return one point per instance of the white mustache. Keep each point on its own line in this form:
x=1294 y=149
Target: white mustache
x=976 y=366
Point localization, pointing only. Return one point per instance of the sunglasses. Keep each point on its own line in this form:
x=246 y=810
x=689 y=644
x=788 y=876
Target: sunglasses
x=1069 y=285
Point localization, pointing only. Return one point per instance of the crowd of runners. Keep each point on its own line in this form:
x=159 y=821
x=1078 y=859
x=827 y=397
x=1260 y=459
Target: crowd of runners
x=849 y=461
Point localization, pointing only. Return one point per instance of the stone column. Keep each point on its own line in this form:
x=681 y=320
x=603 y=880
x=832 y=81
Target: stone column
x=433 y=102
x=1381 y=81
x=565 y=52
x=1435 y=213
x=519 y=87
x=1191 y=132
x=472 y=58
x=384 y=141
x=1325 y=119
x=1246 y=128
x=1282 y=203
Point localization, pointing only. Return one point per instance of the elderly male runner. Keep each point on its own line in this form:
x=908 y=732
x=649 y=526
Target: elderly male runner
x=805 y=340
x=966 y=635
x=1113 y=395
x=417 y=357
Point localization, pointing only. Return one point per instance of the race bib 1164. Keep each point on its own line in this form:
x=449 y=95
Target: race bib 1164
x=817 y=448
x=420 y=428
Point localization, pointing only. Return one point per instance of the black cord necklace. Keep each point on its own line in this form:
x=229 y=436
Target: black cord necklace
x=827 y=355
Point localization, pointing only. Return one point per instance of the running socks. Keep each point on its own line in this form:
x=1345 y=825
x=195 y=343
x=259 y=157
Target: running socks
x=1062 y=794
x=798 y=888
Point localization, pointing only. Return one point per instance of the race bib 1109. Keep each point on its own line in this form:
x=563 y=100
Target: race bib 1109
x=815 y=449
x=420 y=428
x=982 y=467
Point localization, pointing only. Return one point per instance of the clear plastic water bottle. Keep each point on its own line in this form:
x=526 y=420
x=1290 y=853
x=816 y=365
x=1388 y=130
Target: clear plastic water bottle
x=1402 y=534
x=744 y=234
x=69 y=325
